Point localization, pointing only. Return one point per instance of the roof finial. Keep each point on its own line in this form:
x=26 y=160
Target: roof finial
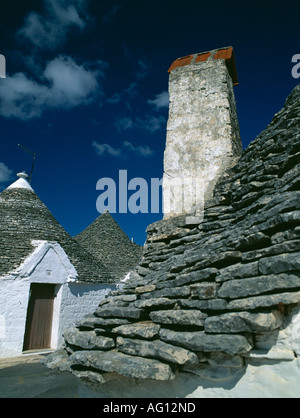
x=23 y=175
x=21 y=183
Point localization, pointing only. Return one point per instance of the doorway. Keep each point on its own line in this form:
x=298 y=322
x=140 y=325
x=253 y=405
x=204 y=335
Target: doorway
x=38 y=328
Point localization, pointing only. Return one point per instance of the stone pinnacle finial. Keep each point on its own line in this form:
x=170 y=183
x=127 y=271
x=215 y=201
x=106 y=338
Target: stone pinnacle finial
x=22 y=175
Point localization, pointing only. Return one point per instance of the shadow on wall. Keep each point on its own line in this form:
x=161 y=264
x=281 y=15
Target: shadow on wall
x=84 y=289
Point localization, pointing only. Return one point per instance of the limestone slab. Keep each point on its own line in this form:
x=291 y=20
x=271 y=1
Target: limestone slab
x=88 y=339
x=156 y=349
x=145 y=329
x=107 y=311
x=234 y=289
x=243 y=322
x=201 y=341
x=115 y=362
x=179 y=317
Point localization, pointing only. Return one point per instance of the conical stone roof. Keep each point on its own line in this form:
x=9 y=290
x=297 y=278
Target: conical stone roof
x=23 y=218
x=108 y=243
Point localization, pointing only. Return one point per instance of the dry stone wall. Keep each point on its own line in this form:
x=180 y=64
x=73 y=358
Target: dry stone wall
x=208 y=298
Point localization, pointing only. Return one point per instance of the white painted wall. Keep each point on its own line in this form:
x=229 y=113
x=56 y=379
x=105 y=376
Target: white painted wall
x=78 y=300
x=13 y=308
x=47 y=264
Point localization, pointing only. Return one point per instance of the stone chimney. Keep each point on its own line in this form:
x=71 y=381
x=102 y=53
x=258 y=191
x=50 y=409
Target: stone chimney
x=203 y=138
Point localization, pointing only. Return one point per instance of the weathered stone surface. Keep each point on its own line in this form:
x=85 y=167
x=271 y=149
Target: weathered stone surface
x=226 y=258
x=89 y=376
x=280 y=263
x=200 y=341
x=101 y=322
x=59 y=359
x=156 y=349
x=114 y=362
x=145 y=289
x=178 y=317
x=175 y=292
x=238 y=271
x=139 y=329
x=107 y=311
x=154 y=303
x=187 y=278
x=243 y=322
x=234 y=289
x=206 y=290
x=118 y=298
x=281 y=221
x=87 y=323
x=286 y=298
x=283 y=236
x=225 y=360
x=205 y=305
x=88 y=340
x=253 y=241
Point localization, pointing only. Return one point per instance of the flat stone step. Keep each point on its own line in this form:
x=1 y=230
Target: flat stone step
x=115 y=362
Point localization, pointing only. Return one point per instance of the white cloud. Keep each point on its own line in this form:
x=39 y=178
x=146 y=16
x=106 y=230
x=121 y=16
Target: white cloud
x=122 y=124
x=5 y=174
x=115 y=98
x=125 y=95
x=21 y=97
x=63 y=84
x=142 y=69
x=150 y=123
x=103 y=149
x=123 y=151
x=50 y=29
x=161 y=100
x=71 y=84
x=141 y=150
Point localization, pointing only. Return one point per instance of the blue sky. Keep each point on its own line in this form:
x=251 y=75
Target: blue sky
x=86 y=88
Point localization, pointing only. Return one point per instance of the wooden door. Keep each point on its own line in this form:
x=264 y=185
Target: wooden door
x=39 y=317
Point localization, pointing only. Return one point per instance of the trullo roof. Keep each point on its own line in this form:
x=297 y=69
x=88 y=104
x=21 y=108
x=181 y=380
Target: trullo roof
x=107 y=241
x=23 y=218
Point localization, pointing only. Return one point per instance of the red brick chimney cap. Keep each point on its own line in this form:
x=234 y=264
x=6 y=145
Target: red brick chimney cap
x=226 y=54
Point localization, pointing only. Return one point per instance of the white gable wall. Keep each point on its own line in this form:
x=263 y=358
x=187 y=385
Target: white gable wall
x=47 y=264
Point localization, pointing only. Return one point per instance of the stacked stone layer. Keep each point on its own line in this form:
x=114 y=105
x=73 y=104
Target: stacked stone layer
x=212 y=293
